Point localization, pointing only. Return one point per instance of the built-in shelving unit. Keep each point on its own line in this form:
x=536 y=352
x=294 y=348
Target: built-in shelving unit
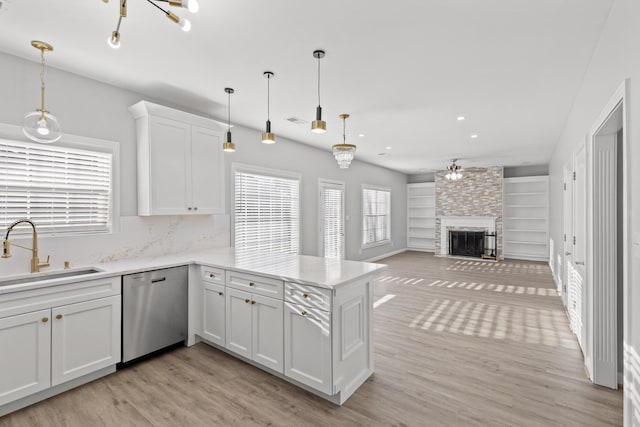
x=526 y=218
x=421 y=221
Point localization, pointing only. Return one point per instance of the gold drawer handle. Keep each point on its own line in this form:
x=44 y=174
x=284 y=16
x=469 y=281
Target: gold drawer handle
x=45 y=319
x=304 y=313
x=305 y=295
x=251 y=283
x=220 y=293
x=247 y=301
x=211 y=275
x=59 y=316
x=253 y=302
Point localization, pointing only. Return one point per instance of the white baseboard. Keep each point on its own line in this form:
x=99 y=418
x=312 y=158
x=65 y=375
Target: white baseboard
x=388 y=254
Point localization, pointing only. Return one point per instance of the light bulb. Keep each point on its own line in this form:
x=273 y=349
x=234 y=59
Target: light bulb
x=191 y=5
x=114 y=40
x=42 y=127
x=184 y=24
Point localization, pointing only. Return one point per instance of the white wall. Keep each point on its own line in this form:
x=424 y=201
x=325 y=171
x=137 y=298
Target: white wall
x=90 y=108
x=615 y=59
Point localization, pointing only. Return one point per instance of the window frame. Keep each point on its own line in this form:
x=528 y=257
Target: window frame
x=388 y=215
x=259 y=170
x=14 y=133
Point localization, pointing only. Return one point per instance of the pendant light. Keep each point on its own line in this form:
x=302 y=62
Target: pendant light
x=344 y=152
x=268 y=137
x=454 y=172
x=319 y=125
x=191 y=5
x=229 y=146
x=40 y=125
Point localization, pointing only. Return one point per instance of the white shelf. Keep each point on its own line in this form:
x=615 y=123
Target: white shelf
x=421 y=216
x=526 y=237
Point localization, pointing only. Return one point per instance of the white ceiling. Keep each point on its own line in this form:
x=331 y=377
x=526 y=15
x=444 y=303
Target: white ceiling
x=404 y=70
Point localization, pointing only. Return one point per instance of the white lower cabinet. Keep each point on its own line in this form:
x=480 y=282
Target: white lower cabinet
x=254 y=328
x=307 y=346
x=25 y=354
x=85 y=338
x=213 y=313
x=70 y=333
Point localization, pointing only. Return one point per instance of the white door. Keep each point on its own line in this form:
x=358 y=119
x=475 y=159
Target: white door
x=567 y=233
x=213 y=313
x=170 y=154
x=267 y=319
x=307 y=347
x=85 y=337
x=331 y=219
x=207 y=171
x=25 y=349
x=238 y=324
x=604 y=294
x=579 y=243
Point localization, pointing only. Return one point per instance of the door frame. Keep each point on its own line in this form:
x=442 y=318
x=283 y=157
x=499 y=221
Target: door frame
x=619 y=98
x=320 y=234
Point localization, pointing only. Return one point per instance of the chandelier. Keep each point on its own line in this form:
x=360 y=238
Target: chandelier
x=454 y=172
x=191 y=5
x=344 y=152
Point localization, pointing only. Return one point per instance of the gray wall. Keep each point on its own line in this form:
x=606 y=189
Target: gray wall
x=90 y=108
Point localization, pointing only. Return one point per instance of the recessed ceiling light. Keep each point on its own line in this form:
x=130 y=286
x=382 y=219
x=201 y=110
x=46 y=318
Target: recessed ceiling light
x=388 y=148
x=460 y=118
x=361 y=135
x=474 y=136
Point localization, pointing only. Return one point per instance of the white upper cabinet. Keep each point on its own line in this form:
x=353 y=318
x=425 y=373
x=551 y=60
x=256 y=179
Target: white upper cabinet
x=180 y=162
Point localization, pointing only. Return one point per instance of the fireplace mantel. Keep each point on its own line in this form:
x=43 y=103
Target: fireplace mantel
x=488 y=222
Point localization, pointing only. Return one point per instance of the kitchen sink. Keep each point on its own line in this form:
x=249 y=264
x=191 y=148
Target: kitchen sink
x=32 y=278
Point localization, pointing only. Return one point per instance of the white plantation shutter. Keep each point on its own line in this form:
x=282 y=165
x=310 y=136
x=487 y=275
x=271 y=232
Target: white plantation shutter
x=333 y=224
x=376 y=212
x=62 y=190
x=267 y=213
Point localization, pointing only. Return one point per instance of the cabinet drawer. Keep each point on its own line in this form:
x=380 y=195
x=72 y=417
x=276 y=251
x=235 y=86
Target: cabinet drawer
x=308 y=296
x=256 y=284
x=212 y=275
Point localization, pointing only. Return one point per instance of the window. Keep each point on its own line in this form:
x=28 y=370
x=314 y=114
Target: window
x=266 y=210
x=63 y=190
x=376 y=214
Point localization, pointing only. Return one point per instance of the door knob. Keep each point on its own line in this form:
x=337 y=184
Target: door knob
x=579 y=262
x=567 y=253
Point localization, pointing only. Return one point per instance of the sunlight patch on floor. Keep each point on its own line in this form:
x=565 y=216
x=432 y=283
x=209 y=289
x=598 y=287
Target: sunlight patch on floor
x=382 y=300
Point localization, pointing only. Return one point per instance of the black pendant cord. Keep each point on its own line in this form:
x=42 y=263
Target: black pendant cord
x=118 y=26
x=155 y=5
x=268 y=98
x=229 y=113
x=318 y=81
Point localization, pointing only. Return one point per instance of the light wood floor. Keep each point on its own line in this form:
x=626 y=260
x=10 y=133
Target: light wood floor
x=458 y=343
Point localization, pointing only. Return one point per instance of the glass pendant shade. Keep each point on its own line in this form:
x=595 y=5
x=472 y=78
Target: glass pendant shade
x=344 y=154
x=453 y=171
x=40 y=127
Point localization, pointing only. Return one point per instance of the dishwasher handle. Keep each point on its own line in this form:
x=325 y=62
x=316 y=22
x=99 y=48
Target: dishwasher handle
x=162 y=279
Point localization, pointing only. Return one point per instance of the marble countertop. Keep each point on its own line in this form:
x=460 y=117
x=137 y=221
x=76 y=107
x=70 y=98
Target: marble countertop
x=311 y=270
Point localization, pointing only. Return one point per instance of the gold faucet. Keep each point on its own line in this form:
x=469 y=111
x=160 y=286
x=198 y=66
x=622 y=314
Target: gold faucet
x=35 y=262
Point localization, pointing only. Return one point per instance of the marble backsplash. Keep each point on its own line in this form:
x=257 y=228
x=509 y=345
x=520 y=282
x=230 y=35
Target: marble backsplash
x=137 y=237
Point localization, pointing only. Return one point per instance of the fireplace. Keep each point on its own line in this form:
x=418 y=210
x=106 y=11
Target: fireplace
x=466 y=243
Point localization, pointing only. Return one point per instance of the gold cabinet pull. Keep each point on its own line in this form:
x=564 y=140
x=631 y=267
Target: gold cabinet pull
x=45 y=319
x=220 y=293
x=305 y=295
x=59 y=316
x=247 y=301
x=251 y=283
x=253 y=302
x=304 y=313
x=211 y=275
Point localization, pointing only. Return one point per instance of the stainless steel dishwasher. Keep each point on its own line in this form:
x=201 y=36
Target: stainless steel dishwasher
x=154 y=311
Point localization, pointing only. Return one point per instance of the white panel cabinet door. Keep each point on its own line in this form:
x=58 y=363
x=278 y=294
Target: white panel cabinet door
x=213 y=313
x=85 y=338
x=25 y=348
x=169 y=177
x=207 y=171
x=307 y=347
x=267 y=343
x=238 y=325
